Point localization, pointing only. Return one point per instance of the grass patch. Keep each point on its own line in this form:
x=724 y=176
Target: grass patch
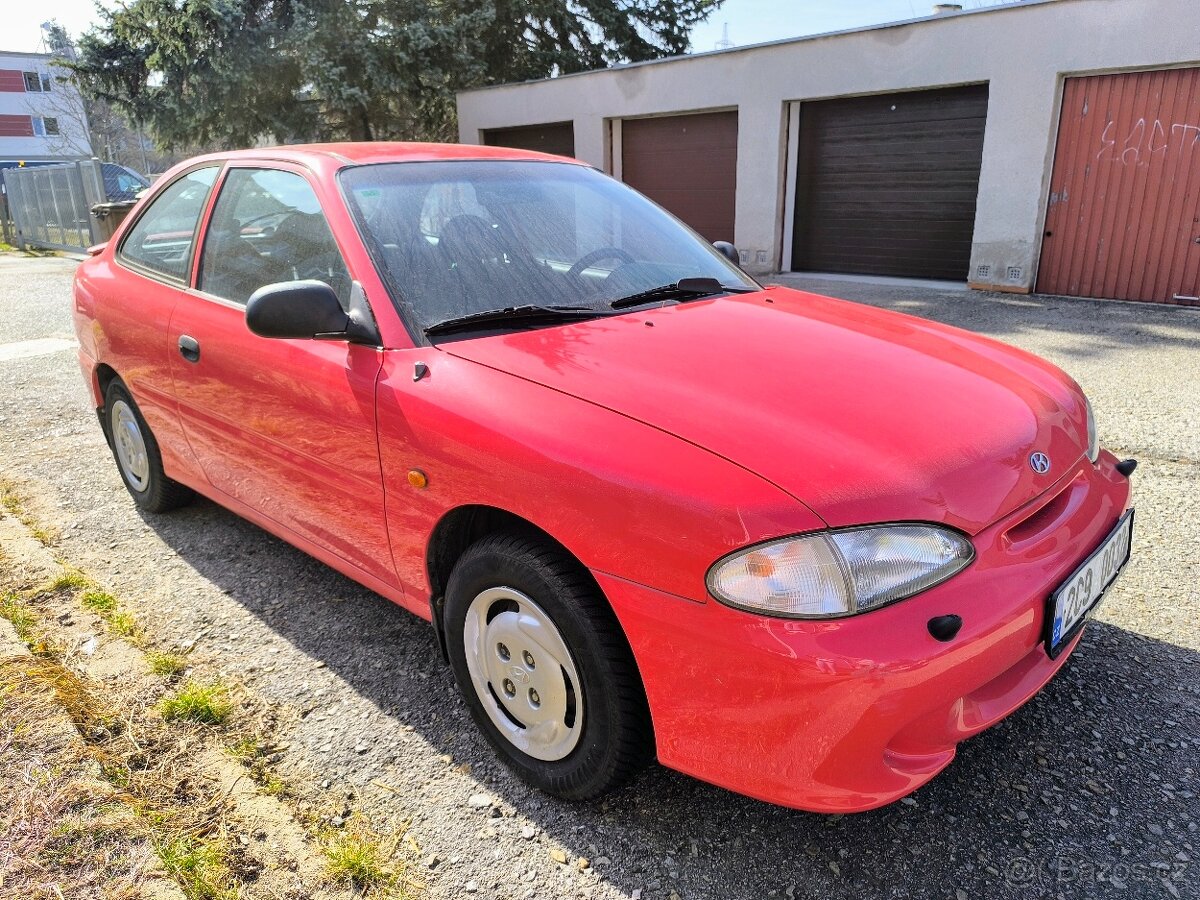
x=368 y=862
x=17 y=611
x=124 y=624
x=99 y=602
x=256 y=757
x=69 y=580
x=359 y=858
x=200 y=866
x=14 y=503
x=165 y=665
x=207 y=704
x=107 y=607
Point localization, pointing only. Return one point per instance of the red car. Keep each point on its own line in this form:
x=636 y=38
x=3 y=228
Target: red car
x=794 y=546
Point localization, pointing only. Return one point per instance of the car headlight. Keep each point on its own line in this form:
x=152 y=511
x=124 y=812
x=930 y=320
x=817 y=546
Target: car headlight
x=838 y=573
x=1093 y=438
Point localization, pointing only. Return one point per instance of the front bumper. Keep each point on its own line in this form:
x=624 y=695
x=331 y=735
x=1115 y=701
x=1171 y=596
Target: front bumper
x=851 y=714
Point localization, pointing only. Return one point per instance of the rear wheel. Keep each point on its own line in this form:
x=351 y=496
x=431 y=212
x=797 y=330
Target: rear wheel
x=545 y=668
x=137 y=455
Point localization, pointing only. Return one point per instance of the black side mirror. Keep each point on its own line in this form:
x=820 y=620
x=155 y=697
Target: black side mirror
x=728 y=251
x=310 y=310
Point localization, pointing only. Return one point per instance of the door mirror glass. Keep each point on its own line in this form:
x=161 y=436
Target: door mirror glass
x=296 y=309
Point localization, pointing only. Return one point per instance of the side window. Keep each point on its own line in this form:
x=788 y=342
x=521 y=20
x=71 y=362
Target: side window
x=161 y=239
x=267 y=226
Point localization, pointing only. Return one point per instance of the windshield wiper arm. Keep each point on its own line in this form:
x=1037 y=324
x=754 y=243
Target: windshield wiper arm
x=683 y=289
x=513 y=314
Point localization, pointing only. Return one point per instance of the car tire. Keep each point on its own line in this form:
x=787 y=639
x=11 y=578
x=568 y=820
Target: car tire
x=136 y=452
x=591 y=730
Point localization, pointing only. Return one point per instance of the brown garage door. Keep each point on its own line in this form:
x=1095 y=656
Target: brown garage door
x=887 y=185
x=1123 y=219
x=687 y=164
x=556 y=137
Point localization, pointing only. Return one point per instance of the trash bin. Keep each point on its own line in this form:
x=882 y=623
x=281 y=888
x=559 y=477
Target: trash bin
x=108 y=216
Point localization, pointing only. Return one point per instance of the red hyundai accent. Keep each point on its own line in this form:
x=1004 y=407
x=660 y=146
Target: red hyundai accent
x=794 y=546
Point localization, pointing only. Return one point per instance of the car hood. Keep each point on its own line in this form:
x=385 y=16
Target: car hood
x=864 y=415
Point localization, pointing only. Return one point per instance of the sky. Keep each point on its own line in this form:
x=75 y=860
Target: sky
x=755 y=21
x=750 y=21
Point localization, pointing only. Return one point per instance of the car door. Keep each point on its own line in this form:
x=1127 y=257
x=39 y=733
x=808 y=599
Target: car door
x=286 y=427
x=137 y=298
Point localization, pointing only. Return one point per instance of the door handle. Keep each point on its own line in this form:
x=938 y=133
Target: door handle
x=189 y=348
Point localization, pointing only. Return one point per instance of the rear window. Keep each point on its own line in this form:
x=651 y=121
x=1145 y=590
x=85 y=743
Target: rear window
x=161 y=240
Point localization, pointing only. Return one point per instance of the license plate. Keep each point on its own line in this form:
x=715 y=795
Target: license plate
x=1081 y=593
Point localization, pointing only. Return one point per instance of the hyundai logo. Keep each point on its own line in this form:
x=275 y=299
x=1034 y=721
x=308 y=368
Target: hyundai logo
x=1040 y=463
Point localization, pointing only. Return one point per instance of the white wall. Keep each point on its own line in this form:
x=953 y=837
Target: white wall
x=1022 y=52
x=62 y=102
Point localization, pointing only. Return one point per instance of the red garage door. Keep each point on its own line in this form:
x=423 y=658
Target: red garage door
x=687 y=164
x=1123 y=220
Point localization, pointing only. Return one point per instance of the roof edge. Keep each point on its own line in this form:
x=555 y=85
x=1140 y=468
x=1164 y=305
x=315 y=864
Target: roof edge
x=920 y=20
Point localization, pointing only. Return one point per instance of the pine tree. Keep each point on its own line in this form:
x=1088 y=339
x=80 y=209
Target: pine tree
x=235 y=72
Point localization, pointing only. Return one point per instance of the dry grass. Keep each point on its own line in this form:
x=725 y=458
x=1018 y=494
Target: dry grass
x=64 y=827
x=104 y=791
x=148 y=810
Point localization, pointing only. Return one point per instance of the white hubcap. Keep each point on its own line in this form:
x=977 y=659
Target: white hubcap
x=131 y=446
x=523 y=673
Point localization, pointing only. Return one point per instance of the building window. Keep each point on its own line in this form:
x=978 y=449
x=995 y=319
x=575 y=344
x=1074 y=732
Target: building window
x=45 y=125
x=33 y=83
x=45 y=84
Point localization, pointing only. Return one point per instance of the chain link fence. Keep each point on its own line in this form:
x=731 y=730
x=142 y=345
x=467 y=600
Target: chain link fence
x=50 y=206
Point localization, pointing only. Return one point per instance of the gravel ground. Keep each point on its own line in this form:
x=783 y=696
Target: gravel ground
x=1090 y=790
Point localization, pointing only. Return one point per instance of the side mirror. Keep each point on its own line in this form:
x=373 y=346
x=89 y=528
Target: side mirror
x=309 y=310
x=728 y=251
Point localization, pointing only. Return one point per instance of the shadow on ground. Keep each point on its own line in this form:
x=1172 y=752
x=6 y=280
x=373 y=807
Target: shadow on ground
x=1087 y=791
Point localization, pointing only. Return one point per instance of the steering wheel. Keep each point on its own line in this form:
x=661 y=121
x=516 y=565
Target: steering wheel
x=590 y=259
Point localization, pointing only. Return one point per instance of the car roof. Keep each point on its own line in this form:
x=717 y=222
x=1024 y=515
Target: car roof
x=367 y=152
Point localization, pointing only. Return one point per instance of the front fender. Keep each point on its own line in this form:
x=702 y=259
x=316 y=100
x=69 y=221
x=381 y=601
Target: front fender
x=625 y=498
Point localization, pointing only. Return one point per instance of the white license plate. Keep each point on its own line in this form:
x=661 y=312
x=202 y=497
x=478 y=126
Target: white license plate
x=1081 y=593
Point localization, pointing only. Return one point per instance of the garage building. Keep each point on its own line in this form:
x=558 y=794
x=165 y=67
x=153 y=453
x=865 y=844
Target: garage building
x=1050 y=145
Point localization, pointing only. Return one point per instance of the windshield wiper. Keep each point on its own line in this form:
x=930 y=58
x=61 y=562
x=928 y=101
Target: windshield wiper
x=513 y=315
x=683 y=289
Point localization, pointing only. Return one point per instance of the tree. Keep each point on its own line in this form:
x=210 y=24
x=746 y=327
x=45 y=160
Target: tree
x=233 y=72
x=89 y=126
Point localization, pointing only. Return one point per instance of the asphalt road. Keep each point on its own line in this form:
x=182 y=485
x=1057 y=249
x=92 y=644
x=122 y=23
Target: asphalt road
x=1090 y=790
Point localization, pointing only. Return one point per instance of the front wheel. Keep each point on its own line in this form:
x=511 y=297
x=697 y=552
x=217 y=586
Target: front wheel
x=137 y=455
x=545 y=668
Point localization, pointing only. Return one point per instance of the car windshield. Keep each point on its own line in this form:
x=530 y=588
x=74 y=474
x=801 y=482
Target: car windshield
x=459 y=238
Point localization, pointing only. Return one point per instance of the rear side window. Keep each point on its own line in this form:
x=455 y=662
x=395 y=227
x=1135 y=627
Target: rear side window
x=267 y=227
x=160 y=241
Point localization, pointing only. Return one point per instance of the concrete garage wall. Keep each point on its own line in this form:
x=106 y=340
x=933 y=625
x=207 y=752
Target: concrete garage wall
x=1022 y=52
